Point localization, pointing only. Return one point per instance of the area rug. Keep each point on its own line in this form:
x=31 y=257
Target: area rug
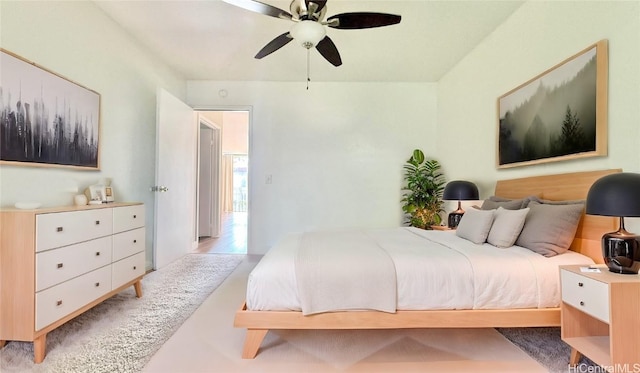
x=122 y=333
x=546 y=346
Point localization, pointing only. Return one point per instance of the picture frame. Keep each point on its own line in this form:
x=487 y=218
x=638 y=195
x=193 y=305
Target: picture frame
x=558 y=115
x=46 y=120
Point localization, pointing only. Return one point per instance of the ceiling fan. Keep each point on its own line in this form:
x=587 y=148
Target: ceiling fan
x=309 y=29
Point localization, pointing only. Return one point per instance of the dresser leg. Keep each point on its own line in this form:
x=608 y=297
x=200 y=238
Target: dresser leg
x=39 y=348
x=2 y=343
x=138 y=287
x=575 y=357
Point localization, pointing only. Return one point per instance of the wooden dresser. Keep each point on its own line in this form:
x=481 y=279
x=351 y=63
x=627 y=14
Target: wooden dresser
x=56 y=263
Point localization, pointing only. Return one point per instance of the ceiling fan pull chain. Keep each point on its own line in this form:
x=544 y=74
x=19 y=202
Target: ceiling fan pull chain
x=308 y=64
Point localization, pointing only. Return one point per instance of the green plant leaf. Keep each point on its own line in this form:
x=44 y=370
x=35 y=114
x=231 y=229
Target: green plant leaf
x=422 y=199
x=418 y=156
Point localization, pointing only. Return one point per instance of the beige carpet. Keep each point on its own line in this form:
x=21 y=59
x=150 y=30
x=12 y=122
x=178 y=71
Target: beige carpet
x=207 y=342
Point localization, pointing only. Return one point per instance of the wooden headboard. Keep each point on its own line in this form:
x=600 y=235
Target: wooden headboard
x=570 y=186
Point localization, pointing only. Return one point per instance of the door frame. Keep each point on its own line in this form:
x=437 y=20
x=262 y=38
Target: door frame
x=215 y=176
x=250 y=178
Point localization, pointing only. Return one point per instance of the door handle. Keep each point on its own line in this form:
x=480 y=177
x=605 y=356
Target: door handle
x=159 y=188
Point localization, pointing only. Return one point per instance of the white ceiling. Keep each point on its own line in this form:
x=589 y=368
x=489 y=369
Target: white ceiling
x=211 y=39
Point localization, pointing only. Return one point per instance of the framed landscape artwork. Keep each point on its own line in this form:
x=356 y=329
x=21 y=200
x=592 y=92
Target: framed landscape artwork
x=558 y=115
x=45 y=119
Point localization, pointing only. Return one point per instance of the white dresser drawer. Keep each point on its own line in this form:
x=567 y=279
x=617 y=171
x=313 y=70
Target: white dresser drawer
x=128 y=217
x=586 y=294
x=127 y=269
x=59 y=265
x=56 y=302
x=65 y=228
x=128 y=243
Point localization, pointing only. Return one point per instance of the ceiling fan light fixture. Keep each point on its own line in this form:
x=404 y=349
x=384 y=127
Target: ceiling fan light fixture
x=308 y=33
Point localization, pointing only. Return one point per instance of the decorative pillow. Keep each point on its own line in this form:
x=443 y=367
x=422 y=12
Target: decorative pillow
x=507 y=225
x=514 y=204
x=549 y=228
x=550 y=202
x=475 y=225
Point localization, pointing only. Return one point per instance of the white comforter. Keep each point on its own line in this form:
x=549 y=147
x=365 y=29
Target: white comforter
x=434 y=269
x=342 y=271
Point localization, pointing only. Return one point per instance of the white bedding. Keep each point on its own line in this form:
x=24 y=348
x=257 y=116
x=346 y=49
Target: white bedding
x=324 y=261
x=435 y=270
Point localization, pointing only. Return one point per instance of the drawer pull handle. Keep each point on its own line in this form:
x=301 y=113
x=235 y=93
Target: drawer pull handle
x=97 y=222
x=135 y=241
x=134 y=267
x=581 y=303
x=97 y=284
x=134 y=216
x=97 y=253
x=580 y=284
x=59 y=229
x=60 y=265
x=59 y=303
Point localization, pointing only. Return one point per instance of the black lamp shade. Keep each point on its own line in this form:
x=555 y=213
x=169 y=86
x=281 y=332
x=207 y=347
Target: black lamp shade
x=459 y=190
x=615 y=195
x=618 y=195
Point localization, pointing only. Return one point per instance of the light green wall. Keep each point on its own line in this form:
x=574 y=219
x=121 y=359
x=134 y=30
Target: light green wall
x=536 y=37
x=539 y=35
x=334 y=152
x=77 y=40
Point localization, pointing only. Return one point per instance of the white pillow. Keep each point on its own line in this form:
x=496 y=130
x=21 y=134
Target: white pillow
x=506 y=227
x=475 y=225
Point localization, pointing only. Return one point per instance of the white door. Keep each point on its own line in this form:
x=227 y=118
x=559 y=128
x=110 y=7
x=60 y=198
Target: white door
x=209 y=180
x=216 y=158
x=205 y=193
x=175 y=200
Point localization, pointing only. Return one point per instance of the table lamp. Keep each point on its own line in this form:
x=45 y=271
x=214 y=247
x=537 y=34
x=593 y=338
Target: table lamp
x=459 y=190
x=618 y=195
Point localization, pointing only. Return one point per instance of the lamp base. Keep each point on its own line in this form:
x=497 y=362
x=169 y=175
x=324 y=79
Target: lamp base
x=621 y=252
x=454 y=219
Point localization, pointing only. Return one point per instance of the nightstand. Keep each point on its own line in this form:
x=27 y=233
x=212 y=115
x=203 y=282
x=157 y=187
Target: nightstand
x=600 y=316
x=441 y=228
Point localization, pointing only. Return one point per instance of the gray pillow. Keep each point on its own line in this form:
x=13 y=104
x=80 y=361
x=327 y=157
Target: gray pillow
x=549 y=228
x=507 y=225
x=550 y=202
x=490 y=204
x=475 y=225
x=494 y=202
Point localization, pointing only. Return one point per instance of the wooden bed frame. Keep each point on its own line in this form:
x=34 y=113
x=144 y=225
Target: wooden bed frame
x=571 y=186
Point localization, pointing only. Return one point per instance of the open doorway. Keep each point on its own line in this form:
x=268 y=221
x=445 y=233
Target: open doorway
x=225 y=204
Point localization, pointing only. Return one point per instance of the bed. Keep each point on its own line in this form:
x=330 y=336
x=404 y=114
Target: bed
x=263 y=316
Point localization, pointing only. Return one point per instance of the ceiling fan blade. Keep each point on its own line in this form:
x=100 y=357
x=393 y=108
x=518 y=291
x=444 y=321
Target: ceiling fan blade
x=274 y=45
x=359 y=20
x=329 y=51
x=262 y=8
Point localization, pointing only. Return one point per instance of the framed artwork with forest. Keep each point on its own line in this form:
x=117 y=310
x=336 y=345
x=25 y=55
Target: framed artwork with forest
x=45 y=119
x=558 y=115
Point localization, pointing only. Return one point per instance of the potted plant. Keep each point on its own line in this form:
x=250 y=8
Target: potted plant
x=422 y=200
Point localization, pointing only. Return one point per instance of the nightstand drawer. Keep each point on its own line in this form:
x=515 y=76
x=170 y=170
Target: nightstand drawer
x=588 y=295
